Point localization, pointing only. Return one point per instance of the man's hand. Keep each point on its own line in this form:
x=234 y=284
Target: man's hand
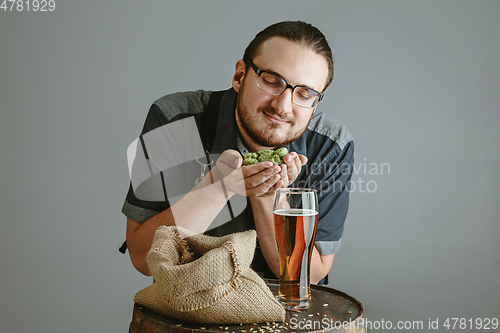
x=264 y=178
x=291 y=167
x=228 y=169
x=257 y=180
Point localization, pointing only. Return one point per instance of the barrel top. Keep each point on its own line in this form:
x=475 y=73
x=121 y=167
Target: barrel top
x=328 y=306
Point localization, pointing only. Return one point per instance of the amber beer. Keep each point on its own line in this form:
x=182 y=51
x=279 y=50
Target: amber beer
x=295 y=231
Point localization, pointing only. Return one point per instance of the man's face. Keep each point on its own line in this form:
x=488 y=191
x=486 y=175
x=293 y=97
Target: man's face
x=265 y=120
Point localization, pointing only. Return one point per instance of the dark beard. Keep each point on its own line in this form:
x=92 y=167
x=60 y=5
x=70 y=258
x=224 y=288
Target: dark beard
x=262 y=137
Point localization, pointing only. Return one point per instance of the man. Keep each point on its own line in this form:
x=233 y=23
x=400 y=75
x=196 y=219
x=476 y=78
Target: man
x=276 y=90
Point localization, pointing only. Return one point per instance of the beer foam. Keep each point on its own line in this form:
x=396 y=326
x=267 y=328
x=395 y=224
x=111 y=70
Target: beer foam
x=296 y=212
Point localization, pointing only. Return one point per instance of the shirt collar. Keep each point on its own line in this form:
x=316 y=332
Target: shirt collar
x=241 y=147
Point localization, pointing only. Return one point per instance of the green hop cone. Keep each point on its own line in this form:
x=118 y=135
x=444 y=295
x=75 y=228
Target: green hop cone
x=281 y=152
x=271 y=158
x=249 y=161
x=263 y=158
x=275 y=156
x=250 y=155
x=278 y=159
x=265 y=152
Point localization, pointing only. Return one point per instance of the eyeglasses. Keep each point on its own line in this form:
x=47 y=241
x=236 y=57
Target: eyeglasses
x=274 y=84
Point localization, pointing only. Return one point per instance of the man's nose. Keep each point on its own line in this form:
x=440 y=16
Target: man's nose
x=283 y=102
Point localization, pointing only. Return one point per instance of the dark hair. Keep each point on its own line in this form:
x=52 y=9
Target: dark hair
x=295 y=31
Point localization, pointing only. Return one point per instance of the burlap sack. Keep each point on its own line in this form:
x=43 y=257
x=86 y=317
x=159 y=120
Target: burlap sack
x=214 y=284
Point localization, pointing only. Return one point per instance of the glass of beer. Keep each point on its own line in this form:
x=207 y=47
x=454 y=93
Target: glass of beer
x=295 y=216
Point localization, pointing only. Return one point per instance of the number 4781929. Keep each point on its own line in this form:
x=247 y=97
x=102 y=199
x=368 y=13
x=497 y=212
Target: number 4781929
x=28 y=5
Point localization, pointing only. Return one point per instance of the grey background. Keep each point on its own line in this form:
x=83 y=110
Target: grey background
x=416 y=83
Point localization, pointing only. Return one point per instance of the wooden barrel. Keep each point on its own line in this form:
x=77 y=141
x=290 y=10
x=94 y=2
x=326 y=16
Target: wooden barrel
x=331 y=311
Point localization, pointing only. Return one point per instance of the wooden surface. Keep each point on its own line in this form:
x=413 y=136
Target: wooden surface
x=329 y=309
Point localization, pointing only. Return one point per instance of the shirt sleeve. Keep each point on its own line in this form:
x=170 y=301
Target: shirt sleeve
x=332 y=183
x=163 y=161
x=134 y=208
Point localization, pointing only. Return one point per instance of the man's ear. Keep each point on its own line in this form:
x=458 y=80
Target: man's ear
x=239 y=74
